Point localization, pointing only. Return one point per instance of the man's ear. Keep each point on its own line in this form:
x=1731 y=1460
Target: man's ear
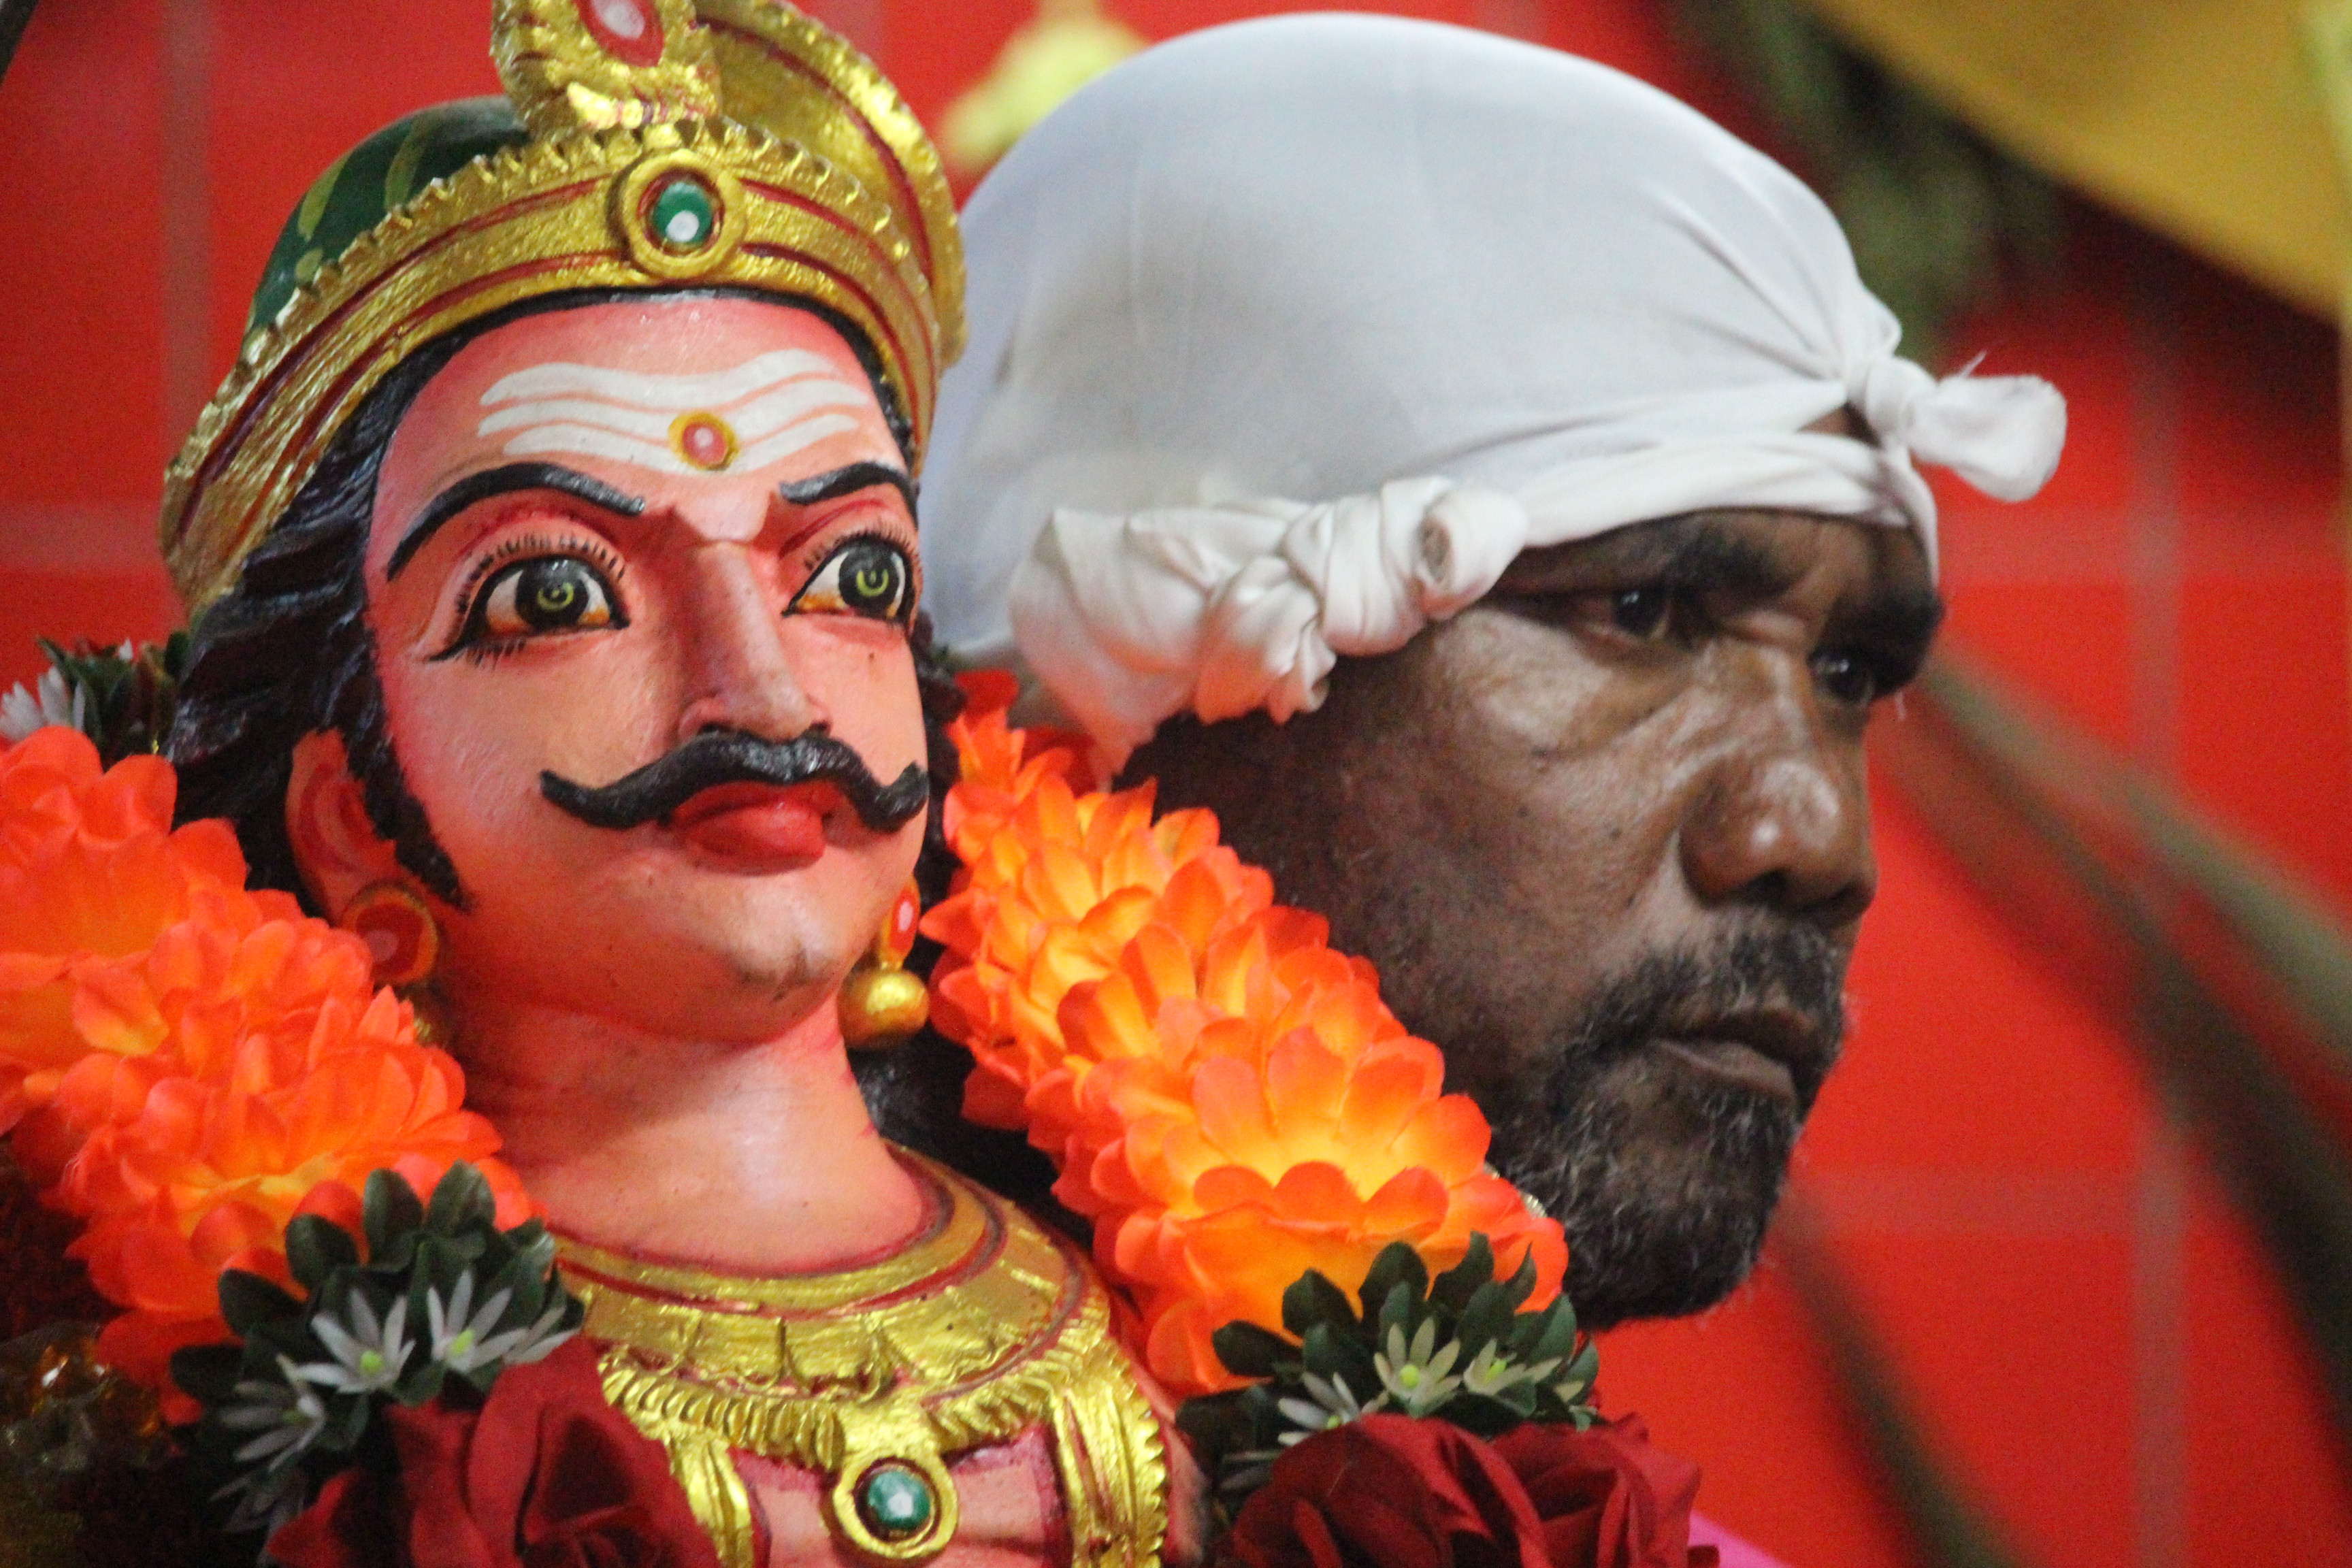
x=334 y=843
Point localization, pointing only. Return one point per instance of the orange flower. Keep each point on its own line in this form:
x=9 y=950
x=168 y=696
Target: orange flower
x=193 y=1064
x=1225 y=1096
x=258 y=1067
x=90 y=869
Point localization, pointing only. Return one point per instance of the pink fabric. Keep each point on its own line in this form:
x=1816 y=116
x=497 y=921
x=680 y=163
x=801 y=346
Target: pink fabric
x=1736 y=1553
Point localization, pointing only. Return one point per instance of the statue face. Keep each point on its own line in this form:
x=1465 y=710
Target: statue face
x=599 y=533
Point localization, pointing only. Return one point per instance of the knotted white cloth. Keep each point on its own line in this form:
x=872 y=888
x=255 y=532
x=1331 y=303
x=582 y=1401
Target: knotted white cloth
x=1228 y=609
x=1459 y=295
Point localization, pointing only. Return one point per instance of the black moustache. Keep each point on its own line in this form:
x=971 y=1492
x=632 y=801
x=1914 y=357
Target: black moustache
x=728 y=756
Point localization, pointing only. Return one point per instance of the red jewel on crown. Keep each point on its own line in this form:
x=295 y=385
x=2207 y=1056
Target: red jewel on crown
x=628 y=30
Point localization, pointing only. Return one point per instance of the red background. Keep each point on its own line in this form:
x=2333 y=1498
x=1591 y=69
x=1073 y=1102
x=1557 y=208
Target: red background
x=2093 y=1340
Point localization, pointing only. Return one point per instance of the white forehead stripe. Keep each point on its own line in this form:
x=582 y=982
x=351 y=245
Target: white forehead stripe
x=677 y=393
x=753 y=421
x=773 y=404
x=595 y=441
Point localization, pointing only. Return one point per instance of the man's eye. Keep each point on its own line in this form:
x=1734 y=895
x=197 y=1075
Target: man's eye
x=546 y=593
x=1847 y=677
x=1643 y=613
x=865 y=577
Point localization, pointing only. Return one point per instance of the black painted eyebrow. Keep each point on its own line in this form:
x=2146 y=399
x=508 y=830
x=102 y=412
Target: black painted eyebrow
x=860 y=475
x=474 y=489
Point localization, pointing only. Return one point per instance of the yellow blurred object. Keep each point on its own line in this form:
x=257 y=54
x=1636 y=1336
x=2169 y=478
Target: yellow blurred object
x=2204 y=118
x=1065 y=46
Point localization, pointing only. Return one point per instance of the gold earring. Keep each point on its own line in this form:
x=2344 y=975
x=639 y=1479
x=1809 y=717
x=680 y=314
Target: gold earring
x=881 y=1005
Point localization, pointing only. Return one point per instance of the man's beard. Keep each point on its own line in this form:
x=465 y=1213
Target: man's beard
x=1664 y=1176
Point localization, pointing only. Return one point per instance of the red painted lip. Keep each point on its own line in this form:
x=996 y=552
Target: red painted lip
x=758 y=826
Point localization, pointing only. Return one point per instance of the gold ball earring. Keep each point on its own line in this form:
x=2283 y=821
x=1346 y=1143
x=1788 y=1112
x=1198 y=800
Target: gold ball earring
x=881 y=1005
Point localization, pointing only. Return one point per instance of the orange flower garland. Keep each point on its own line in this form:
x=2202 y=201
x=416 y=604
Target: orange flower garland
x=1226 y=1098
x=188 y=1066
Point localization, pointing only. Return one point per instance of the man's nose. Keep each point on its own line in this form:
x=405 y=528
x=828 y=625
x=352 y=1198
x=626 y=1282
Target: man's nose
x=742 y=677
x=1783 y=817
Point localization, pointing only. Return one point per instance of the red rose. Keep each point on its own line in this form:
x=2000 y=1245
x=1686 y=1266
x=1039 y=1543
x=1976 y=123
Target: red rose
x=544 y=1474
x=1605 y=1495
x=1389 y=1492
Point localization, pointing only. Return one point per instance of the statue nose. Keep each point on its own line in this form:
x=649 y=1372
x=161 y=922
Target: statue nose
x=743 y=677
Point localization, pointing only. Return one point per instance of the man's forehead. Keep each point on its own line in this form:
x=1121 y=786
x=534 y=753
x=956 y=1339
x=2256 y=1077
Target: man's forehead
x=1753 y=551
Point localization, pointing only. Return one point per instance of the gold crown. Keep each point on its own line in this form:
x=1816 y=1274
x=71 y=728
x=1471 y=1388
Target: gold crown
x=674 y=144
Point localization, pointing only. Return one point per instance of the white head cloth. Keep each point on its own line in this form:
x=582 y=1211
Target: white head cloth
x=1459 y=296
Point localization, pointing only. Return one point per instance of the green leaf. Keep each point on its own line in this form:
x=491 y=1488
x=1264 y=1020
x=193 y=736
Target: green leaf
x=209 y=1373
x=1313 y=1299
x=1522 y=1282
x=347 y=1419
x=1398 y=1264
x=1485 y=1318
x=391 y=1213
x=316 y=1247
x=422 y=1383
x=1548 y=1335
x=249 y=1301
x=1249 y=1350
x=1218 y=1423
x=1452 y=1288
x=461 y=1202
x=1403 y=1311
x=1482 y=1415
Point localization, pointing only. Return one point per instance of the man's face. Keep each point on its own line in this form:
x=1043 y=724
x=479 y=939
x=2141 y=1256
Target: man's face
x=599 y=534
x=1606 y=835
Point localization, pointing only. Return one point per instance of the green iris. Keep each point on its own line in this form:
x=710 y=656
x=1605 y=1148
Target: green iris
x=553 y=593
x=873 y=577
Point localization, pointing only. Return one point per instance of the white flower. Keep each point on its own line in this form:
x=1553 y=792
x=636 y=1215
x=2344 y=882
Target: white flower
x=53 y=700
x=1489 y=1373
x=520 y=1347
x=289 y=1418
x=1416 y=1375
x=266 y=1498
x=369 y=1355
x=458 y=1341
x=1333 y=1404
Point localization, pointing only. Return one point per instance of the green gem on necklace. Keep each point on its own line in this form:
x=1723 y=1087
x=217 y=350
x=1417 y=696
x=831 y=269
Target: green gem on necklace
x=895 y=1502
x=682 y=214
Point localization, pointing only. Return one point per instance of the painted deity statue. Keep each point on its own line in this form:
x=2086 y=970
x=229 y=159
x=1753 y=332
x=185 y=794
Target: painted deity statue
x=554 y=575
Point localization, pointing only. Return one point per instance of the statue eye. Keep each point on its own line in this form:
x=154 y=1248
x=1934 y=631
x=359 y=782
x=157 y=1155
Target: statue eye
x=545 y=594
x=866 y=576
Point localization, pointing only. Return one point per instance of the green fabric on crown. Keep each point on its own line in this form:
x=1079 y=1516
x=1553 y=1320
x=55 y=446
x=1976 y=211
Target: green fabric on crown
x=367 y=184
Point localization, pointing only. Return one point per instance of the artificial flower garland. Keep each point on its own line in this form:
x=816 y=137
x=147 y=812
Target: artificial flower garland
x=208 y=1080
x=188 y=1066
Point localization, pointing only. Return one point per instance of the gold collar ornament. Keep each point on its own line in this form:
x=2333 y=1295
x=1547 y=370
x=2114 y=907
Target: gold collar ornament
x=645 y=144
x=982 y=1329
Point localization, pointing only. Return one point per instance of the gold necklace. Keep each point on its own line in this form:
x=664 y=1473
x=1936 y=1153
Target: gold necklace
x=980 y=1329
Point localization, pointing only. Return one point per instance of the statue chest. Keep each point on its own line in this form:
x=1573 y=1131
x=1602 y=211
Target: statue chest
x=961 y=1401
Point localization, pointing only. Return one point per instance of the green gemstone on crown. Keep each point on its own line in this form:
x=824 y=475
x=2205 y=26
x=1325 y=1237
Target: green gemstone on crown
x=682 y=214
x=894 y=1502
